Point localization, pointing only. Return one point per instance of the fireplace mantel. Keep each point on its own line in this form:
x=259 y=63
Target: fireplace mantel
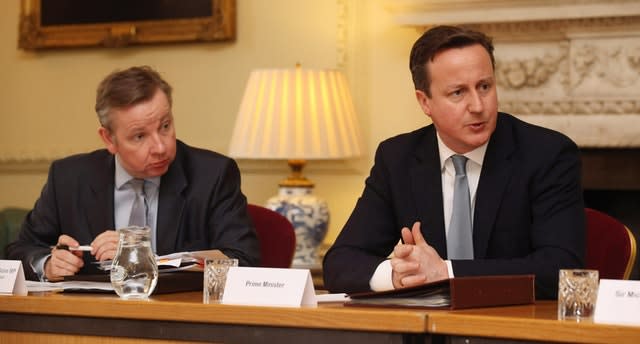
x=573 y=66
x=435 y=12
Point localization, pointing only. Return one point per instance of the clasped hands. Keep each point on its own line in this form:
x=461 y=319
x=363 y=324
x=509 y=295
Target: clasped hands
x=416 y=262
x=66 y=263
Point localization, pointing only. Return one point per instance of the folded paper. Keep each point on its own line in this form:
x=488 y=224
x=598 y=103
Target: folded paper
x=618 y=302
x=12 y=281
x=269 y=287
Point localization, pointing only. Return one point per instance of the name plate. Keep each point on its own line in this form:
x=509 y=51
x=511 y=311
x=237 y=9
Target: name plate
x=12 y=278
x=618 y=302
x=269 y=287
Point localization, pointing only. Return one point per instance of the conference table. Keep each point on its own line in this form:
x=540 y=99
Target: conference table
x=182 y=317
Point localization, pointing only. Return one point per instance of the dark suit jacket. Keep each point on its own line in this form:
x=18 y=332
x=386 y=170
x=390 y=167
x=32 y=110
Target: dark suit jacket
x=200 y=207
x=528 y=218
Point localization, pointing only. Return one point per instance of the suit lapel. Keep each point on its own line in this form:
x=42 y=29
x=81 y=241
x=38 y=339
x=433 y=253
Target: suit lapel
x=494 y=178
x=426 y=185
x=171 y=204
x=99 y=197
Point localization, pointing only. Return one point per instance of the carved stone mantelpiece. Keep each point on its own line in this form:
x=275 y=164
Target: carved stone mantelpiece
x=573 y=66
x=423 y=13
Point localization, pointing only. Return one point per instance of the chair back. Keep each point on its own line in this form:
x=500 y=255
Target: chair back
x=10 y=222
x=611 y=247
x=276 y=235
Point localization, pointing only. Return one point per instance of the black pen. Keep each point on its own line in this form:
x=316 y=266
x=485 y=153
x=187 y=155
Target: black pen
x=73 y=248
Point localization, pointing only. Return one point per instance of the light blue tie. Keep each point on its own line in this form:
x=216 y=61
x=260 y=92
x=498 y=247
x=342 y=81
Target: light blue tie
x=460 y=237
x=139 y=209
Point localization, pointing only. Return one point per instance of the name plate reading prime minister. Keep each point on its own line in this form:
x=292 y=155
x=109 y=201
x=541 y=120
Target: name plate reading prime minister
x=269 y=287
x=12 y=278
x=618 y=302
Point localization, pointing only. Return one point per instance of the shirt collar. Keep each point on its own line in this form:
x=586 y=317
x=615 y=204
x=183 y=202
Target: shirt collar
x=476 y=155
x=122 y=177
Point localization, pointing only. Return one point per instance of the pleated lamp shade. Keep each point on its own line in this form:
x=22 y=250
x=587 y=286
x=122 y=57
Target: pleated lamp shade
x=296 y=114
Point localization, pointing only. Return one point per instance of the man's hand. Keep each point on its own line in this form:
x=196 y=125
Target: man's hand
x=416 y=262
x=105 y=245
x=63 y=262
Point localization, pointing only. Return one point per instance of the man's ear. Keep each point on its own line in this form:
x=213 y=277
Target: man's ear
x=424 y=102
x=107 y=138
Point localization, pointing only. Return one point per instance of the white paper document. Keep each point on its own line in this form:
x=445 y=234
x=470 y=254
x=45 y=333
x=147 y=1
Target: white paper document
x=340 y=297
x=36 y=286
x=179 y=261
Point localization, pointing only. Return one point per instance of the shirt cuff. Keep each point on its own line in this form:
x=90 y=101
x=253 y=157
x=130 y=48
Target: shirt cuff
x=382 y=278
x=449 y=268
x=38 y=268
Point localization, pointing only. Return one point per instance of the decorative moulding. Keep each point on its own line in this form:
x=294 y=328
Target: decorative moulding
x=573 y=66
x=24 y=165
x=34 y=159
x=436 y=12
x=342 y=32
x=280 y=167
x=40 y=162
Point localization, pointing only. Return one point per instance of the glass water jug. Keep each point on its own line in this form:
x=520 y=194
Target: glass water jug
x=134 y=272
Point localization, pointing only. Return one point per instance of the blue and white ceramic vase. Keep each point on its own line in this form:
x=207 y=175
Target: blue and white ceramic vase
x=310 y=218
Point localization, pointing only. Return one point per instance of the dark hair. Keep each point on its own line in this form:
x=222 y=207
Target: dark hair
x=437 y=39
x=128 y=87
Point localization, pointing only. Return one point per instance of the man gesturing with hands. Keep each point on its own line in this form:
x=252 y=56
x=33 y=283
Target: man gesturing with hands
x=415 y=262
x=520 y=210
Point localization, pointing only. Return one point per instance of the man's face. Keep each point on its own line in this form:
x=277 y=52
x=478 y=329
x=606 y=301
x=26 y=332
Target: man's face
x=143 y=137
x=464 y=101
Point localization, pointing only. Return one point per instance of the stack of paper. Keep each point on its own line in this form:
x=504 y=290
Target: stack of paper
x=36 y=286
x=180 y=261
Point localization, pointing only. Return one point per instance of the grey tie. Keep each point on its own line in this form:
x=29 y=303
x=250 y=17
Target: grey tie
x=139 y=209
x=460 y=238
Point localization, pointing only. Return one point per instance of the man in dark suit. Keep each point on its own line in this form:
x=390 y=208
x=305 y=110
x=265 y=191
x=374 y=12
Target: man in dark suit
x=527 y=212
x=193 y=199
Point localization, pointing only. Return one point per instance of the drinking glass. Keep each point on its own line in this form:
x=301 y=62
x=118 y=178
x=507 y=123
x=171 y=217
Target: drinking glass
x=215 y=278
x=577 y=293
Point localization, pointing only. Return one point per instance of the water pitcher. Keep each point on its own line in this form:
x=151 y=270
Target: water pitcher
x=134 y=272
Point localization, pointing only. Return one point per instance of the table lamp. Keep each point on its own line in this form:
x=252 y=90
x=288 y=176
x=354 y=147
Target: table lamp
x=297 y=115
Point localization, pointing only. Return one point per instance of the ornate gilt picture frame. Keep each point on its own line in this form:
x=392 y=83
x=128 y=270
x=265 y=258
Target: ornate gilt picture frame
x=79 y=23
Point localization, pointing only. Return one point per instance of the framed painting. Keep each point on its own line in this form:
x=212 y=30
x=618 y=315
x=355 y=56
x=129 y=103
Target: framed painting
x=117 y=23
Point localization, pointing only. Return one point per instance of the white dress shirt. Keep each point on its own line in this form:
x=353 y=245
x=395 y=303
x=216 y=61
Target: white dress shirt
x=124 y=196
x=382 y=277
